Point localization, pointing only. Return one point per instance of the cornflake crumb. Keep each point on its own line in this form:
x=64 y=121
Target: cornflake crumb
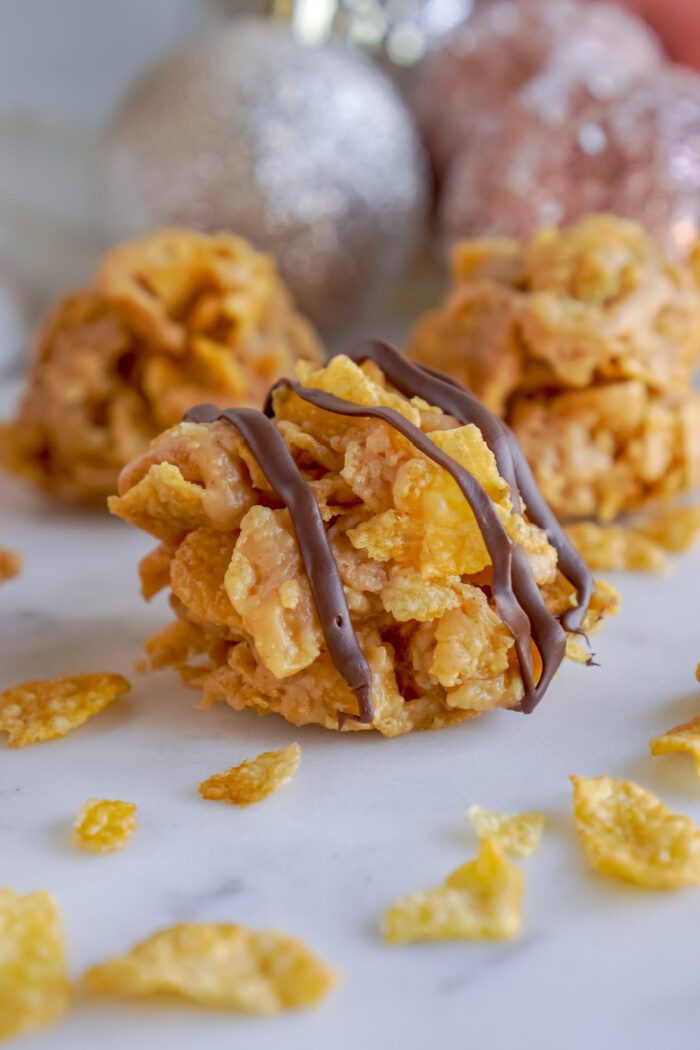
x=608 y=548
x=628 y=833
x=103 y=826
x=253 y=780
x=519 y=834
x=10 y=564
x=685 y=737
x=219 y=965
x=481 y=900
x=675 y=530
x=52 y=707
x=34 y=986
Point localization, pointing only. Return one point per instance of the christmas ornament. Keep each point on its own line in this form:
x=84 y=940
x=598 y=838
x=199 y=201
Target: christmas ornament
x=309 y=153
x=638 y=157
x=554 y=56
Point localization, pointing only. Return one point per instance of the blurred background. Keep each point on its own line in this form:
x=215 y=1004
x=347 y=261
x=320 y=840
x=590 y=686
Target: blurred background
x=447 y=118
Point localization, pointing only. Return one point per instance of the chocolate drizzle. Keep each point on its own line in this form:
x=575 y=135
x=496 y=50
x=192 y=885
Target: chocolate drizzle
x=515 y=592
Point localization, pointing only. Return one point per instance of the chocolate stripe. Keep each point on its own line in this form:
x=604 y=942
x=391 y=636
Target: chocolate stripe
x=281 y=471
x=411 y=379
x=517 y=596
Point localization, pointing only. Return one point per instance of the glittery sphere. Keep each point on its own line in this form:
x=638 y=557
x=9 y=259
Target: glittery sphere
x=638 y=157
x=310 y=153
x=552 y=55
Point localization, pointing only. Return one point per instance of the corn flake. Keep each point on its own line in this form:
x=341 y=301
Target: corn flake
x=675 y=530
x=628 y=833
x=481 y=900
x=685 y=737
x=254 y=780
x=34 y=986
x=219 y=965
x=52 y=707
x=10 y=564
x=519 y=834
x=617 y=547
x=103 y=826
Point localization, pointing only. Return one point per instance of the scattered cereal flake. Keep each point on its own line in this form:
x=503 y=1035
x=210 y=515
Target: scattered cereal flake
x=10 y=564
x=612 y=547
x=628 y=833
x=519 y=833
x=482 y=899
x=103 y=826
x=218 y=964
x=34 y=986
x=685 y=737
x=254 y=780
x=52 y=707
x=675 y=530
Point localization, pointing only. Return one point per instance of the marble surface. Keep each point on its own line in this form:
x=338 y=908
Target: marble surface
x=365 y=820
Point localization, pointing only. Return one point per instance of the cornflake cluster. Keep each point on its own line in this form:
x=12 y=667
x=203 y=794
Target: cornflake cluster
x=584 y=340
x=171 y=319
x=412 y=560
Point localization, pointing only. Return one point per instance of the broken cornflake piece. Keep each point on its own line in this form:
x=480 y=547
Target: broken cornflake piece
x=628 y=833
x=675 y=530
x=103 y=826
x=34 y=986
x=253 y=780
x=219 y=965
x=52 y=707
x=609 y=548
x=519 y=834
x=481 y=900
x=10 y=564
x=685 y=737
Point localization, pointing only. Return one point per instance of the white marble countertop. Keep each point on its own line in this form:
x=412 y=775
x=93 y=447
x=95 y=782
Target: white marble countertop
x=365 y=820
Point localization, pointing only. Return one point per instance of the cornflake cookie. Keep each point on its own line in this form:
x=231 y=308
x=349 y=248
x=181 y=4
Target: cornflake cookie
x=52 y=707
x=218 y=965
x=171 y=319
x=481 y=900
x=34 y=986
x=685 y=737
x=10 y=564
x=628 y=833
x=357 y=558
x=519 y=834
x=254 y=780
x=584 y=340
x=103 y=826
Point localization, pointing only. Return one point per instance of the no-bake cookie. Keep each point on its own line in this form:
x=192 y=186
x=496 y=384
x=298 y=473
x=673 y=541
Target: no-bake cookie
x=584 y=340
x=371 y=552
x=171 y=319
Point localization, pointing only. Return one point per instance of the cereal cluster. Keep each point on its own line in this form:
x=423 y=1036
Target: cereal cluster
x=584 y=340
x=169 y=320
x=413 y=562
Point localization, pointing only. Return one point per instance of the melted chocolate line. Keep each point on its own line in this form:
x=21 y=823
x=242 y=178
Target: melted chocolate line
x=516 y=594
x=411 y=379
x=282 y=473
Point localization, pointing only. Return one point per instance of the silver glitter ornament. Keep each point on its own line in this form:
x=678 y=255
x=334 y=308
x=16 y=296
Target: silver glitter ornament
x=551 y=55
x=310 y=153
x=638 y=157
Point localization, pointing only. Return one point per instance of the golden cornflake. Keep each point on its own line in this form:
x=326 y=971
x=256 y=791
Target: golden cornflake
x=103 y=826
x=612 y=547
x=52 y=707
x=685 y=737
x=219 y=965
x=519 y=833
x=10 y=564
x=480 y=900
x=674 y=530
x=34 y=986
x=628 y=833
x=254 y=780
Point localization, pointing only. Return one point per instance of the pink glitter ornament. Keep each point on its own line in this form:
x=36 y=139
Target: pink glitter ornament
x=550 y=54
x=638 y=157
